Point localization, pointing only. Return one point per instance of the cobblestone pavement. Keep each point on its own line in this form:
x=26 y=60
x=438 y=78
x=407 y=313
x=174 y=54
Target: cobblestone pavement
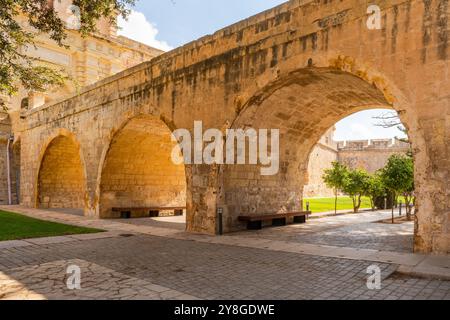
x=49 y=281
x=361 y=231
x=155 y=259
x=178 y=222
x=161 y=268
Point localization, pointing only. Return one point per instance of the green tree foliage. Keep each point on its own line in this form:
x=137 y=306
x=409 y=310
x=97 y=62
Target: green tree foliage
x=335 y=178
x=16 y=67
x=375 y=188
x=356 y=186
x=398 y=177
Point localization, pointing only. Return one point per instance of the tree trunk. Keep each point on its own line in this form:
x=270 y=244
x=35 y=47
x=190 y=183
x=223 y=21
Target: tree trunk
x=372 y=203
x=359 y=204
x=408 y=208
x=355 y=207
x=393 y=200
x=335 y=202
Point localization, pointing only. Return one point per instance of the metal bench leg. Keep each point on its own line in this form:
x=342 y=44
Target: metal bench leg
x=254 y=225
x=301 y=219
x=279 y=222
x=153 y=213
x=125 y=215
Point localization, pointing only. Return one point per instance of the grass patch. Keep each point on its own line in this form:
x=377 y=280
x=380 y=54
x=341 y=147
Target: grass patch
x=318 y=205
x=327 y=204
x=15 y=226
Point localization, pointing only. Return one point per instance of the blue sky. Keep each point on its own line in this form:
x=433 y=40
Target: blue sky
x=167 y=24
x=181 y=21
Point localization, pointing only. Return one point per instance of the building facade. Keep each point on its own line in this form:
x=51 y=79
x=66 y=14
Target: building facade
x=85 y=61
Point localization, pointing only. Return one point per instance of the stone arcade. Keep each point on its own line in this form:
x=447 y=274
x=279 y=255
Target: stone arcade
x=299 y=67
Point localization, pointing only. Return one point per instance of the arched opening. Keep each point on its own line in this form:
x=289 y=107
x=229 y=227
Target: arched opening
x=61 y=180
x=364 y=140
x=364 y=211
x=303 y=106
x=139 y=178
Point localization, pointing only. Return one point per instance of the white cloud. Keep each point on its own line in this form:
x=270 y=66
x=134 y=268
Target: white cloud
x=138 y=28
x=362 y=126
x=361 y=131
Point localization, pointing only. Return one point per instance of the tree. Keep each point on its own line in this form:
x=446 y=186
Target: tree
x=389 y=120
x=16 y=66
x=398 y=177
x=335 y=178
x=375 y=188
x=356 y=186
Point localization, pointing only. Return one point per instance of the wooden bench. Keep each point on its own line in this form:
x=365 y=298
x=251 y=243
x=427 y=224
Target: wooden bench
x=279 y=219
x=127 y=213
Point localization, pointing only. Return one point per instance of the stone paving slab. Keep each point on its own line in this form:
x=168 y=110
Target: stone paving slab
x=398 y=258
x=14 y=244
x=93 y=236
x=438 y=261
x=50 y=240
x=430 y=272
x=48 y=281
x=430 y=267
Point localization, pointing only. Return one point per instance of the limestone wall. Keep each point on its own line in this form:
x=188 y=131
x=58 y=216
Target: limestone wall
x=300 y=68
x=370 y=155
x=139 y=172
x=321 y=158
x=61 y=181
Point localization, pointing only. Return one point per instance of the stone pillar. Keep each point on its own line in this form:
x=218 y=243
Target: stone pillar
x=432 y=232
x=202 y=197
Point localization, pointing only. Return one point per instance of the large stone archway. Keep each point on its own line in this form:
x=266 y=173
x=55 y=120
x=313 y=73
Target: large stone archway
x=61 y=181
x=299 y=67
x=138 y=170
x=303 y=106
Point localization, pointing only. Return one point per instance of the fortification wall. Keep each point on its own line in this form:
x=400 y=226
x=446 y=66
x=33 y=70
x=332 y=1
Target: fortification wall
x=370 y=155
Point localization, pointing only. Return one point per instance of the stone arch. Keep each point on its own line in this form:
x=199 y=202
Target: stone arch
x=303 y=104
x=137 y=171
x=61 y=177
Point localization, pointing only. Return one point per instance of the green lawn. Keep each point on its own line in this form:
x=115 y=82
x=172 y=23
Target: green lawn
x=14 y=226
x=318 y=205
x=327 y=204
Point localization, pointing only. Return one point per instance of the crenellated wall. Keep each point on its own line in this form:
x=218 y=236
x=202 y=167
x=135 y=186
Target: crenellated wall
x=370 y=155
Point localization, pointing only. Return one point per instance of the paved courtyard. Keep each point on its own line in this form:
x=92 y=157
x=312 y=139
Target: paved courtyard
x=154 y=259
x=362 y=230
